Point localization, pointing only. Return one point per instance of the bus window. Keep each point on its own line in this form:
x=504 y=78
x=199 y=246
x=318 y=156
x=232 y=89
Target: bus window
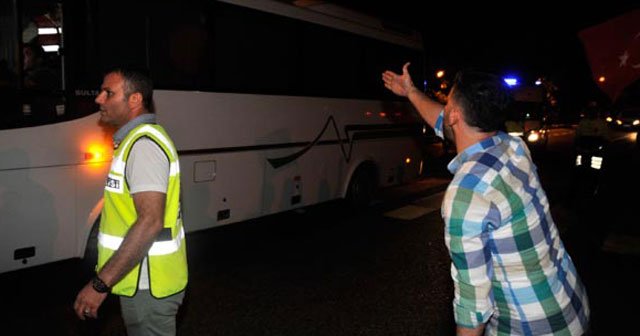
x=41 y=97
x=265 y=46
x=38 y=73
x=31 y=76
x=326 y=52
x=179 y=43
x=42 y=45
x=8 y=43
x=9 y=64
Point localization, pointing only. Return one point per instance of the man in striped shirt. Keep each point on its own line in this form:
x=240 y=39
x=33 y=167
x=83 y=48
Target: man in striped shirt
x=511 y=273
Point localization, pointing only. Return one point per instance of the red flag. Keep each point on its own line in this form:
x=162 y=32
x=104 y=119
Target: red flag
x=613 y=51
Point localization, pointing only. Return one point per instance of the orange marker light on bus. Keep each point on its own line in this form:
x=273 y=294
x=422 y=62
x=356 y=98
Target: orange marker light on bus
x=96 y=153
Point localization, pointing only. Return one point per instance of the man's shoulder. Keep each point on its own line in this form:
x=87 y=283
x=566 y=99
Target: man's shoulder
x=145 y=145
x=484 y=162
x=495 y=161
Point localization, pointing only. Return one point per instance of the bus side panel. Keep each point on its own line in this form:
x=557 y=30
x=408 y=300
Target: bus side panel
x=393 y=165
x=228 y=144
x=89 y=194
x=51 y=178
x=325 y=172
x=230 y=194
x=246 y=186
x=388 y=157
x=313 y=178
x=38 y=207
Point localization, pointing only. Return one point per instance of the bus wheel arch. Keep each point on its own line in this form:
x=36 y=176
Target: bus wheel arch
x=90 y=257
x=362 y=184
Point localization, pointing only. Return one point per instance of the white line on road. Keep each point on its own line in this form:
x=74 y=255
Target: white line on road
x=419 y=208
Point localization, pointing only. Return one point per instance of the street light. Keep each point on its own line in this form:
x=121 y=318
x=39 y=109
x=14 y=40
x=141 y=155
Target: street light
x=440 y=74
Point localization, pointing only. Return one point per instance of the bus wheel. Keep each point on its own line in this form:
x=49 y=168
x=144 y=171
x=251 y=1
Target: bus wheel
x=361 y=188
x=90 y=259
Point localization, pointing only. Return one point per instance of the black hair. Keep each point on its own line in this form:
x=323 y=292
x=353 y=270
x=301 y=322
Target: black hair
x=484 y=98
x=137 y=80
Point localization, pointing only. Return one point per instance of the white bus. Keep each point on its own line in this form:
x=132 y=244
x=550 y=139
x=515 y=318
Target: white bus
x=273 y=106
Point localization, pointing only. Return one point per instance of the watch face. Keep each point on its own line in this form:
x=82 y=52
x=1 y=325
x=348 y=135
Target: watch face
x=99 y=285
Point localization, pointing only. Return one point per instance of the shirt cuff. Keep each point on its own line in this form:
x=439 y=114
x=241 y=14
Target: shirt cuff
x=469 y=318
x=438 y=127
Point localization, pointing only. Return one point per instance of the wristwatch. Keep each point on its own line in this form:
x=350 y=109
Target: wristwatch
x=99 y=285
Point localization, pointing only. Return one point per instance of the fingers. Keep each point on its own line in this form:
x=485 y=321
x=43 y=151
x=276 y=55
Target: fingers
x=388 y=76
x=77 y=309
x=405 y=68
x=85 y=312
x=82 y=311
x=399 y=84
x=90 y=313
x=84 y=305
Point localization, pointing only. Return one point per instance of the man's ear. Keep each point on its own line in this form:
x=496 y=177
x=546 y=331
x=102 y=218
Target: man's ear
x=135 y=100
x=454 y=116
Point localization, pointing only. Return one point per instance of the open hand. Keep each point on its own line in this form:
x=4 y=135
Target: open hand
x=399 y=84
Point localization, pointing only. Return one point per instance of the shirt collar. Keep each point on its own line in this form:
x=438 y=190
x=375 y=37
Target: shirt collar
x=481 y=146
x=145 y=118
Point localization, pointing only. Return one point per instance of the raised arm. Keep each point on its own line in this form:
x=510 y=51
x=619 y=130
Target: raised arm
x=402 y=85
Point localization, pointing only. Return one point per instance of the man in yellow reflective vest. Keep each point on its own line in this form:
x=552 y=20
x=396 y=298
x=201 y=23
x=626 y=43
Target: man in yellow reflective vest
x=141 y=244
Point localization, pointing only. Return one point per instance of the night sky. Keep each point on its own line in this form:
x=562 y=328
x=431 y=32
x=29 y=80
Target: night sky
x=527 y=39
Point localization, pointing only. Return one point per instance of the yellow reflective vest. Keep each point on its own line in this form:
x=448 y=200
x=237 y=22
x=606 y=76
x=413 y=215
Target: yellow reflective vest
x=167 y=257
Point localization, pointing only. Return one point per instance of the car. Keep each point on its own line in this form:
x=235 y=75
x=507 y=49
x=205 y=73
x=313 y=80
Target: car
x=528 y=120
x=628 y=119
x=626 y=109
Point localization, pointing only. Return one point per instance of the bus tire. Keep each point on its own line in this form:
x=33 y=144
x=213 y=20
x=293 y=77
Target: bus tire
x=361 y=188
x=90 y=259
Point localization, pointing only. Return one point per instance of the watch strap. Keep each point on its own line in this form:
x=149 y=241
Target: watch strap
x=99 y=285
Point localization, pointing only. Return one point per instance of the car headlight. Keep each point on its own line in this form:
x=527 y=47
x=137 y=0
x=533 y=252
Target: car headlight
x=533 y=136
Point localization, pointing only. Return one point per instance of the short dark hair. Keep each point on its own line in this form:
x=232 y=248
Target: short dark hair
x=137 y=80
x=484 y=97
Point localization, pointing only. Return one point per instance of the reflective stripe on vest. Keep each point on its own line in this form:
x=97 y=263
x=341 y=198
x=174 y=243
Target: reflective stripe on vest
x=158 y=248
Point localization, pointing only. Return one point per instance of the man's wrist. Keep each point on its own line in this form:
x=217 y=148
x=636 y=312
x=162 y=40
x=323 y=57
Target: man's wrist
x=99 y=285
x=411 y=90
